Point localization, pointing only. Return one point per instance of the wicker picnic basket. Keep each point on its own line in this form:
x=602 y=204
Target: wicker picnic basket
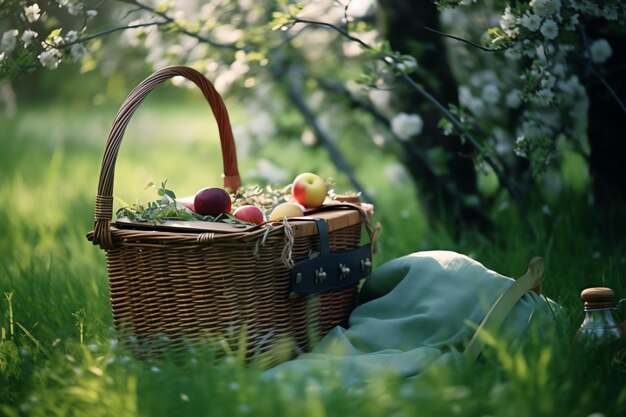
x=290 y=280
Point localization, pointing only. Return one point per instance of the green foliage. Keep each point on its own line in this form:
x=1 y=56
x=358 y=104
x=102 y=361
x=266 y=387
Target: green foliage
x=9 y=359
x=160 y=210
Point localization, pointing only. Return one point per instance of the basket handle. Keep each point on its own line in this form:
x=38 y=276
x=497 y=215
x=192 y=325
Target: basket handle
x=104 y=198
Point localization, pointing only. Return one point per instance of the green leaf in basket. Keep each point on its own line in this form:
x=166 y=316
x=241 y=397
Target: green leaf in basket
x=164 y=192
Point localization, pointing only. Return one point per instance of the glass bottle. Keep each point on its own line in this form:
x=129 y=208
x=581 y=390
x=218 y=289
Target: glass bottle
x=599 y=327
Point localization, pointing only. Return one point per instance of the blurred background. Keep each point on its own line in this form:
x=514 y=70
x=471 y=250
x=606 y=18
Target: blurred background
x=494 y=129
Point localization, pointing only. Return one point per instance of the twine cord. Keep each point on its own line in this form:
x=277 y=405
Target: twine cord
x=205 y=237
x=288 y=247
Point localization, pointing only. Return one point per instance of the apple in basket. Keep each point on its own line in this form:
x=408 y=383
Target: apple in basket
x=212 y=202
x=250 y=213
x=187 y=202
x=284 y=210
x=309 y=190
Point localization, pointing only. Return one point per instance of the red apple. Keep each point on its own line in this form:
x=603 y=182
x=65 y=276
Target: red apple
x=211 y=201
x=309 y=190
x=187 y=202
x=250 y=213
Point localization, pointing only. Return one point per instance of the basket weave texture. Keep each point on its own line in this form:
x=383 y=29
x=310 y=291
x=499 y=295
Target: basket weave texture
x=190 y=285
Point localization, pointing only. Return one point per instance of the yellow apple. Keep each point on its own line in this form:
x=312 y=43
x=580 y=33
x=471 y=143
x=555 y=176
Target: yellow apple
x=286 y=210
x=309 y=190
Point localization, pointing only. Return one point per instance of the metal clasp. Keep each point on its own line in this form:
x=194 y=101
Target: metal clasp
x=320 y=276
x=344 y=271
x=366 y=264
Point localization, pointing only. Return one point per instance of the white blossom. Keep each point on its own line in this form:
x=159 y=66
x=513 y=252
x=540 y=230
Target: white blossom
x=600 y=51
x=91 y=14
x=541 y=53
x=571 y=86
x=610 y=12
x=503 y=145
x=559 y=69
x=56 y=40
x=548 y=81
x=50 y=58
x=404 y=126
x=491 y=94
x=8 y=41
x=476 y=106
x=408 y=65
x=74 y=8
x=520 y=146
x=262 y=126
x=396 y=173
x=134 y=36
x=379 y=98
x=1 y=56
x=465 y=96
x=78 y=51
x=508 y=23
x=543 y=97
x=514 y=99
x=573 y=22
x=550 y=29
x=32 y=12
x=545 y=8
x=28 y=36
x=308 y=138
x=513 y=53
x=271 y=172
x=531 y=131
x=531 y=21
x=71 y=36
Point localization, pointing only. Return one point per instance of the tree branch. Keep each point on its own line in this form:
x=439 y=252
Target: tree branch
x=111 y=30
x=609 y=88
x=295 y=94
x=408 y=147
x=475 y=45
x=342 y=32
x=513 y=192
x=169 y=20
x=590 y=69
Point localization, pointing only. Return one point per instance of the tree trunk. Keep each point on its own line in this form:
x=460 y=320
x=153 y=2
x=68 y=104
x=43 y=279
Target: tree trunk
x=403 y=24
x=607 y=120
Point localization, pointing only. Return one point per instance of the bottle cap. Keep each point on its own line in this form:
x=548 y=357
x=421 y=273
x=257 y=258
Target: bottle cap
x=598 y=297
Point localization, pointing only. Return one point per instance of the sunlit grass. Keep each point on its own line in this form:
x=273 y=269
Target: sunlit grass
x=49 y=167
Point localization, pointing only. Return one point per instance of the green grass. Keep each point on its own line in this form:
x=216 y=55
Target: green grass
x=49 y=167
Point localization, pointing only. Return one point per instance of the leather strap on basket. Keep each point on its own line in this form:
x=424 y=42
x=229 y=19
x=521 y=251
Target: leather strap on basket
x=332 y=270
x=104 y=198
